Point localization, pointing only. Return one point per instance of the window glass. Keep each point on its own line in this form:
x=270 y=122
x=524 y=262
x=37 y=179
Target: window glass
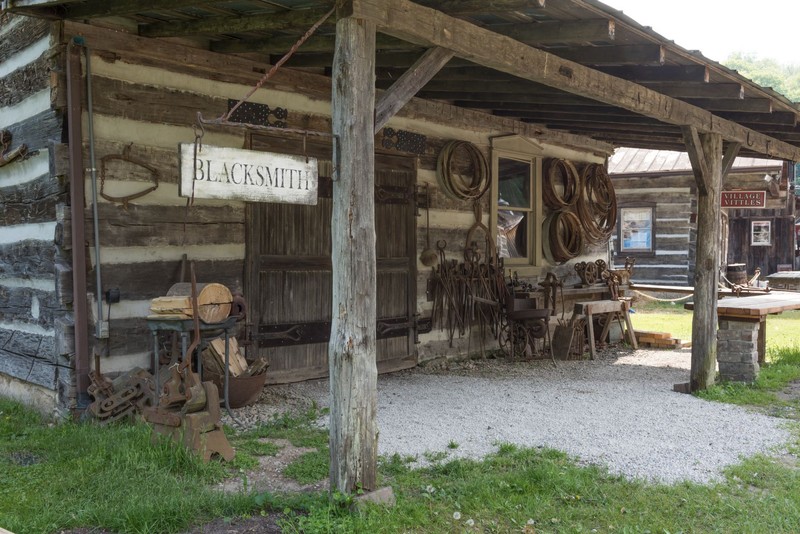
x=636 y=229
x=514 y=183
x=512 y=234
x=513 y=207
x=760 y=233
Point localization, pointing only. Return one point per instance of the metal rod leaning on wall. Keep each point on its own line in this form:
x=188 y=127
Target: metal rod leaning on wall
x=77 y=190
x=98 y=329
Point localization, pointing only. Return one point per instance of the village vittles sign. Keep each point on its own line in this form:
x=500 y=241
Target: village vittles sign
x=249 y=175
x=744 y=199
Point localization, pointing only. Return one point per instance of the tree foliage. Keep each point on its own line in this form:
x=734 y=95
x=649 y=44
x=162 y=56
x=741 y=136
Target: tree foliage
x=785 y=79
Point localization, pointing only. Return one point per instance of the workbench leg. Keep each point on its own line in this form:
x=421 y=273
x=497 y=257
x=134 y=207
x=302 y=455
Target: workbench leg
x=590 y=330
x=762 y=341
x=631 y=335
x=607 y=326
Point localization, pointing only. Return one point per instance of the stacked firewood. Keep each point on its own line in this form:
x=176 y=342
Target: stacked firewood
x=213 y=303
x=214 y=359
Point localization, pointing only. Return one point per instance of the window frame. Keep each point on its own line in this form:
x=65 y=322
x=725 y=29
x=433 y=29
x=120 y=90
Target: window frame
x=768 y=225
x=523 y=150
x=620 y=229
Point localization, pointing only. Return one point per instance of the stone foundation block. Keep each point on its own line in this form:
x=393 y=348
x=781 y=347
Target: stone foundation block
x=738 y=372
x=727 y=324
x=737 y=351
x=738 y=335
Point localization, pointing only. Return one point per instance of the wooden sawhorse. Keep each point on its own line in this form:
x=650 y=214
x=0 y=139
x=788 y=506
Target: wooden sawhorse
x=612 y=309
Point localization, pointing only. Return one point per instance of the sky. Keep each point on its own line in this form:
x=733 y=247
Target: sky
x=719 y=28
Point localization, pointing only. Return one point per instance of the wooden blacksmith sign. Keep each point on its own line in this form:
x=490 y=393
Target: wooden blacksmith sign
x=249 y=175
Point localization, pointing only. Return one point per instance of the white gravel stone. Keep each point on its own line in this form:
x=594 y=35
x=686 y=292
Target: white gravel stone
x=618 y=411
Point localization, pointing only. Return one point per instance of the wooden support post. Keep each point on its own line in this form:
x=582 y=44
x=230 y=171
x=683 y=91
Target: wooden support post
x=705 y=153
x=351 y=352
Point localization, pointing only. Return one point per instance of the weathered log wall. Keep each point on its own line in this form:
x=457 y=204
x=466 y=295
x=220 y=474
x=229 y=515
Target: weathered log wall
x=31 y=189
x=673 y=200
x=146 y=97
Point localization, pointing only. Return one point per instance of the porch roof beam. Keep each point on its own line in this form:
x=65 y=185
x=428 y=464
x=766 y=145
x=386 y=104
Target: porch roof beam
x=428 y=27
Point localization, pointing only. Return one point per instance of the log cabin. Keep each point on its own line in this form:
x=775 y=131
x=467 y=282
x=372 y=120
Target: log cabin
x=101 y=93
x=656 y=197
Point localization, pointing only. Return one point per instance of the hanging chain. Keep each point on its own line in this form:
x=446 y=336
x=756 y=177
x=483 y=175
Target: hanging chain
x=279 y=64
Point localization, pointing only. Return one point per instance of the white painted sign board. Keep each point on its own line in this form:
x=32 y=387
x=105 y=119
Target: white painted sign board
x=249 y=175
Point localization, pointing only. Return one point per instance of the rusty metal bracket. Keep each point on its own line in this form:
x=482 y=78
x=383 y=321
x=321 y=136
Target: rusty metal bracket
x=393 y=194
x=295 y=333
x=126 y=157
x=258 y=114
x=404 y=141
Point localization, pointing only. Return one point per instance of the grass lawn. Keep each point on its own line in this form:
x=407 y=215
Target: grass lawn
x=82 y=475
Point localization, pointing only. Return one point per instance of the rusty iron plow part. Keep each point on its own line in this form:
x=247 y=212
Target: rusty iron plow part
x=124 y=397
x=188 y=409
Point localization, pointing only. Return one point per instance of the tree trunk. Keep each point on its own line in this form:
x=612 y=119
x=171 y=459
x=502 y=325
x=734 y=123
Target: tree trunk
x=706 y=277
x=351 y=352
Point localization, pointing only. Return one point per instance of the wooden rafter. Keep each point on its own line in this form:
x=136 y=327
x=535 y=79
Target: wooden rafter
x=663 y=73
x=21 y=5
x=566 y=33
x=280 y=45
x=428 y=27
x=288 y=19
x=117 y=8
x=747 y=105
x=394 y=98
x=697 y=90
x=776 y=117
x=470 y=7
x=613 y=55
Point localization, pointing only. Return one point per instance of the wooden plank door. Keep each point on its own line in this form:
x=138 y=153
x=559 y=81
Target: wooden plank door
x=288 y=278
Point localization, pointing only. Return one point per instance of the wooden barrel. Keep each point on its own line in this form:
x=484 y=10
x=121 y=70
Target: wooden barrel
x=736 y=273
x=213 y=301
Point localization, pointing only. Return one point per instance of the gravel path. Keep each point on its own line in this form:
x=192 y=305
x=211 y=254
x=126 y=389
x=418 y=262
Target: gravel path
x=618 y=411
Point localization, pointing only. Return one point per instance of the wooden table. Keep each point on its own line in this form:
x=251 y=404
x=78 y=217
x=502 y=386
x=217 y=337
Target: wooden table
x=612 y=309
x=756 y=309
